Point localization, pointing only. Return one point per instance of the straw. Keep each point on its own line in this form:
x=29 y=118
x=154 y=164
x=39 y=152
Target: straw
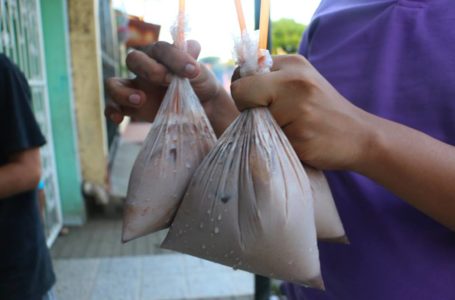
x=264 y=24
x=181 y=25
x=240 y=15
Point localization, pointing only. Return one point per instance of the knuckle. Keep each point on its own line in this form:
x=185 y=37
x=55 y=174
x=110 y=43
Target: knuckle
x=296 y=59
x=158 y=49
x=132 y=58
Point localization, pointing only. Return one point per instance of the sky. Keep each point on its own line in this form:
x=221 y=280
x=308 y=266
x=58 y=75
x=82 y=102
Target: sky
x=213 y=22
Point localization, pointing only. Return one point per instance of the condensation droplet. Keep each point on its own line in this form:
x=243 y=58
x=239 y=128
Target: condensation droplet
x=212 y=219
x=201 y=225
x=203 y=246
x=188 y=165
x=219 y=217
x=209 y=211
x=216 y=230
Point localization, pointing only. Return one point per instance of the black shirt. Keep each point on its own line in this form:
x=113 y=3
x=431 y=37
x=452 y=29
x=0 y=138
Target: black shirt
x=25 y=265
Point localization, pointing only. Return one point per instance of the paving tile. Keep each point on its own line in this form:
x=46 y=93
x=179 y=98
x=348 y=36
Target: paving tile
x=75 y=278
x=118 y=278
x=164 y=286
x=163 y=264
x=209 y=284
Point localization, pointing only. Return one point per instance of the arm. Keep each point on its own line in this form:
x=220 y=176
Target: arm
x=328 y=132
x=22 y=173
x=416 y=167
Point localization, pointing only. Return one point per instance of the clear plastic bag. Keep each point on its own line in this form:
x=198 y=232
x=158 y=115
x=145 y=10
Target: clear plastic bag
x=250 y=204
x=328 y=223
x=179 y=139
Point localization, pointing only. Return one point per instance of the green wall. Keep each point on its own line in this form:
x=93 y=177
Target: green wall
x=56 y=43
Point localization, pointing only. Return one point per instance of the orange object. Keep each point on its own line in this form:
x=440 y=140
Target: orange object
x=181 y=25
x=140 y=33
x=240 y=15
x=264 y=24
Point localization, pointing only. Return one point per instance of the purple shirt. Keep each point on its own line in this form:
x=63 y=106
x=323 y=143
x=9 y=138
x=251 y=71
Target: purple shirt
x=395 y=59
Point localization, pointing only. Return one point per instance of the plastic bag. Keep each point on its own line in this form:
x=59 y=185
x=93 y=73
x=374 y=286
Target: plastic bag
x=328 y=223
x=179 y=139
x=250 y=204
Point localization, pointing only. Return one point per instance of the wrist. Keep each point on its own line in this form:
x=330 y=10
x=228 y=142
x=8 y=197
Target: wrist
x=220 y=110
x=371 y=143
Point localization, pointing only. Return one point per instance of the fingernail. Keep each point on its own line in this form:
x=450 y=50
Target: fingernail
x=134 y=99
x=190 y=69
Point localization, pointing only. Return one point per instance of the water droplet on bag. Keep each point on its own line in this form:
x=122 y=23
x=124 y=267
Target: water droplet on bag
x=188 y=165
x=209 y=211
x=290 y=262
x=219 y=217
x=203 y=246
x=187 y=225
x=201 y=225
x=225 y=199
x=216 y=230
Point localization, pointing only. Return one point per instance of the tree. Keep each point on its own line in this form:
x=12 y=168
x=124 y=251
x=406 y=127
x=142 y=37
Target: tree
x=286 y=36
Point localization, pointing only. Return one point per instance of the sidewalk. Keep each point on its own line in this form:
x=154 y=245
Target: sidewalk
x=92 y=264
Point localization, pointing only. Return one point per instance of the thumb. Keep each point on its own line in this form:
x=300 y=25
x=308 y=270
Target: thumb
x=254 y=91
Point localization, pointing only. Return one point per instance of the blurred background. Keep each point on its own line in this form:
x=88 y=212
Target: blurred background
x=67 y=49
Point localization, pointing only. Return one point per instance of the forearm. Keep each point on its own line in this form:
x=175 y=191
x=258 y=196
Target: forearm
x=22 y=173
x=416 y=167
x=15 y=179
x=221 y=111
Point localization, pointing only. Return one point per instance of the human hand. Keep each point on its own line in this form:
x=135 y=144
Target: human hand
x=141 y=97
x=325 y=129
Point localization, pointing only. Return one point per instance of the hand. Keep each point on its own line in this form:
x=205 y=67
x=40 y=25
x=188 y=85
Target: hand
x=325 y=129
x=141 y=97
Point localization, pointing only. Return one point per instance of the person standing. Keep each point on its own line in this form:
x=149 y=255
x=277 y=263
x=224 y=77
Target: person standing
x=26 y=271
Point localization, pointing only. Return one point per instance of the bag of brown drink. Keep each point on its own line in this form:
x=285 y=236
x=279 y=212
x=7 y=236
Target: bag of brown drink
x=250 y=204
x=180 y=137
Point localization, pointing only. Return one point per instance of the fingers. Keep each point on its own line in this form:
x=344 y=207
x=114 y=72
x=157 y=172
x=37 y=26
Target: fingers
x=178 y=62
x=145 y=67
x=113 y=113
x=122 y=93
x=254 y=91
x=123 y=99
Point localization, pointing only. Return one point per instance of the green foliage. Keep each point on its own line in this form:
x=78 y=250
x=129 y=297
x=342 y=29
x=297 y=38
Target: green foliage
x=286 y=36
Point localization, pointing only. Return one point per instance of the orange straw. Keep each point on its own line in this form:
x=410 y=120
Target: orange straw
x=264 y=24
x=181 y=24
x=240 y=15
